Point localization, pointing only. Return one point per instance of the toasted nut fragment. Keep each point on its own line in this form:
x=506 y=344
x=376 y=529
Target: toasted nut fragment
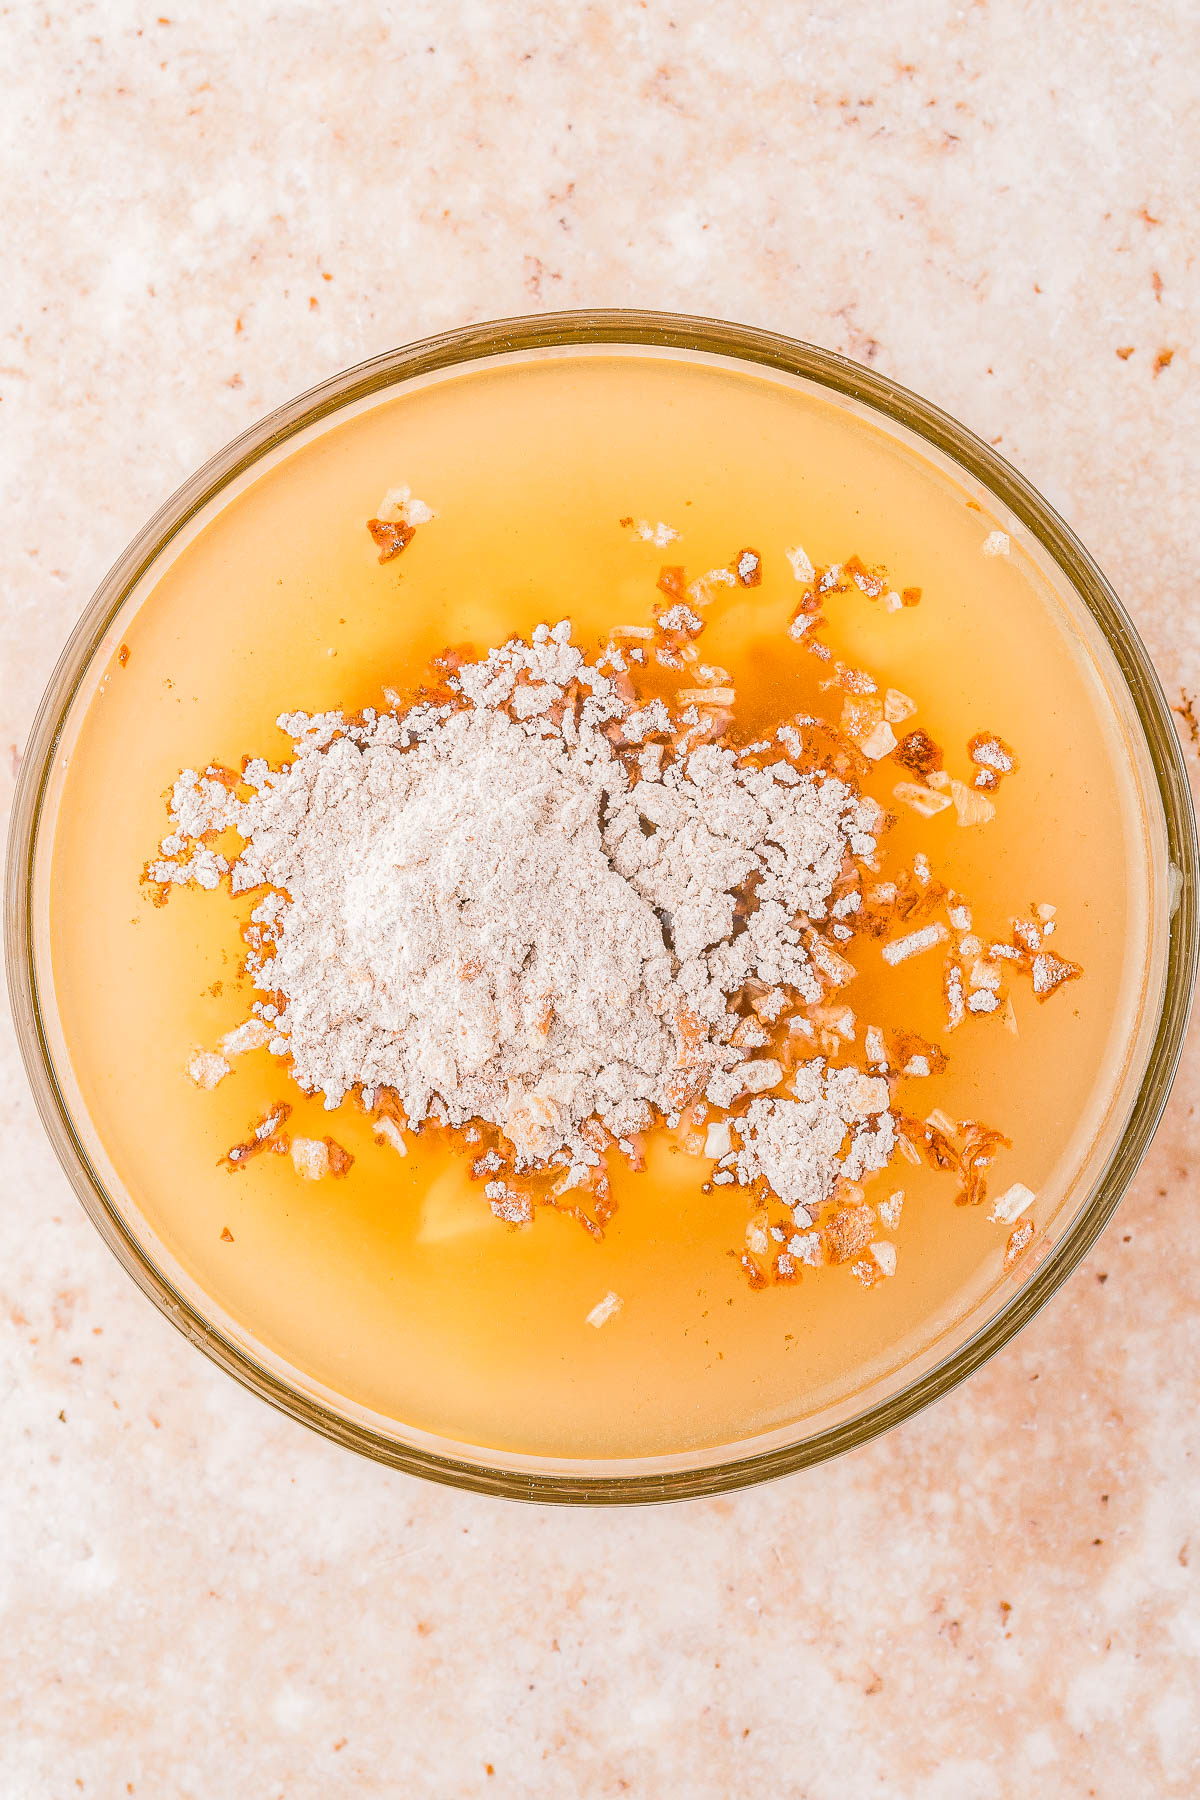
x=1011 y=1204
x=922 y=800
x=1049 y=972
x=391 y=535
x=756 y=1233
x=310 y=1158
x=897 y=706
x=605 y=1309
x=972 y=807
x=747 y=567
x=1017 y=1242
x=390 y=1132
x=900 y=949
x=918 y=752
x=885 y=1256
x=340 y=1161
x=848 y=1232
x=707 y=696
x=861 y=713
x=718 y=1140
x=879 y=742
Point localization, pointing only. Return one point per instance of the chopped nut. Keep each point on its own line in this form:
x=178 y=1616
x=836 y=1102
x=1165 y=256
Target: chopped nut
x=897 y=706
x=847 y=1232
x=885 y=1256
x=1049 y=973
x=391 y=536
x=900 y=949
x=921 y=799
x=604 y=1310
x=706 y=696
x=972 y=807
x=748 y=568
x=1017 y=1242
x=891 y=1209
x=918 y=752
x=718 y=1140
x=1011 y=1204
x=879 y=742
x=310 y=1157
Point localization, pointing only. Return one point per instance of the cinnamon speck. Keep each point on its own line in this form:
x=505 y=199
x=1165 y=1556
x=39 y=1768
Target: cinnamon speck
x=1163 y=361
x=123 y=655
x=1125 y=351
x=226 y=1235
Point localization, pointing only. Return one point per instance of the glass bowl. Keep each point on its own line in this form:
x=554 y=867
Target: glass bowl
x=982 y=1329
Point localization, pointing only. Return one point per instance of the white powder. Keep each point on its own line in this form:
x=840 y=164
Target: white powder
x=499 y=911
x=838 y=1125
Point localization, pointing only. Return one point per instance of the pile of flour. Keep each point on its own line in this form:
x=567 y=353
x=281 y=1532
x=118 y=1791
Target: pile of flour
x=530 y=906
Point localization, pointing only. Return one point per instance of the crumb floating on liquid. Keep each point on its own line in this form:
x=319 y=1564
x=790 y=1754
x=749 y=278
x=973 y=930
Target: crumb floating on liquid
x=996 y=543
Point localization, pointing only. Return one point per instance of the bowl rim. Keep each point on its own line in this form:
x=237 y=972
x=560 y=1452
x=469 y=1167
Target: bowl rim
x=638 y=329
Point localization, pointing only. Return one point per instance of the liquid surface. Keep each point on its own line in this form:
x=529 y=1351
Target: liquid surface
x=395 y=1286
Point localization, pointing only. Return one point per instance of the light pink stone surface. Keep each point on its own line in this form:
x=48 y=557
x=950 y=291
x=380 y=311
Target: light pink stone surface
x=986 y=201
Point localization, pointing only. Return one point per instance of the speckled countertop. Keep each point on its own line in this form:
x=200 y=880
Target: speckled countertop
x=204 y=214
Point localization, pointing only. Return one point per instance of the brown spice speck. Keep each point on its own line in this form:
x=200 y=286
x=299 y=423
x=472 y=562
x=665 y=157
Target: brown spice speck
x=123 y=655
x=1163 y=361
x=226 y=1235
x=1125 y=351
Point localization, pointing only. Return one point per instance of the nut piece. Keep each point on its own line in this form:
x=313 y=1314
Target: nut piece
x=747 y=566
x=879 y=742
x=605 y=1309
x=897 y=706
x=972 y=807
x=923 y=800
x=310 y=1158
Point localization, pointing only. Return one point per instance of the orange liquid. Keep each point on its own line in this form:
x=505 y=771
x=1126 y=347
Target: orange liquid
x=395 y=1286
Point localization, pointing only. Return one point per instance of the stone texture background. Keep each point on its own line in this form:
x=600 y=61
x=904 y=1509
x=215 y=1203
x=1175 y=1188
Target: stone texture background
x=202 y=215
